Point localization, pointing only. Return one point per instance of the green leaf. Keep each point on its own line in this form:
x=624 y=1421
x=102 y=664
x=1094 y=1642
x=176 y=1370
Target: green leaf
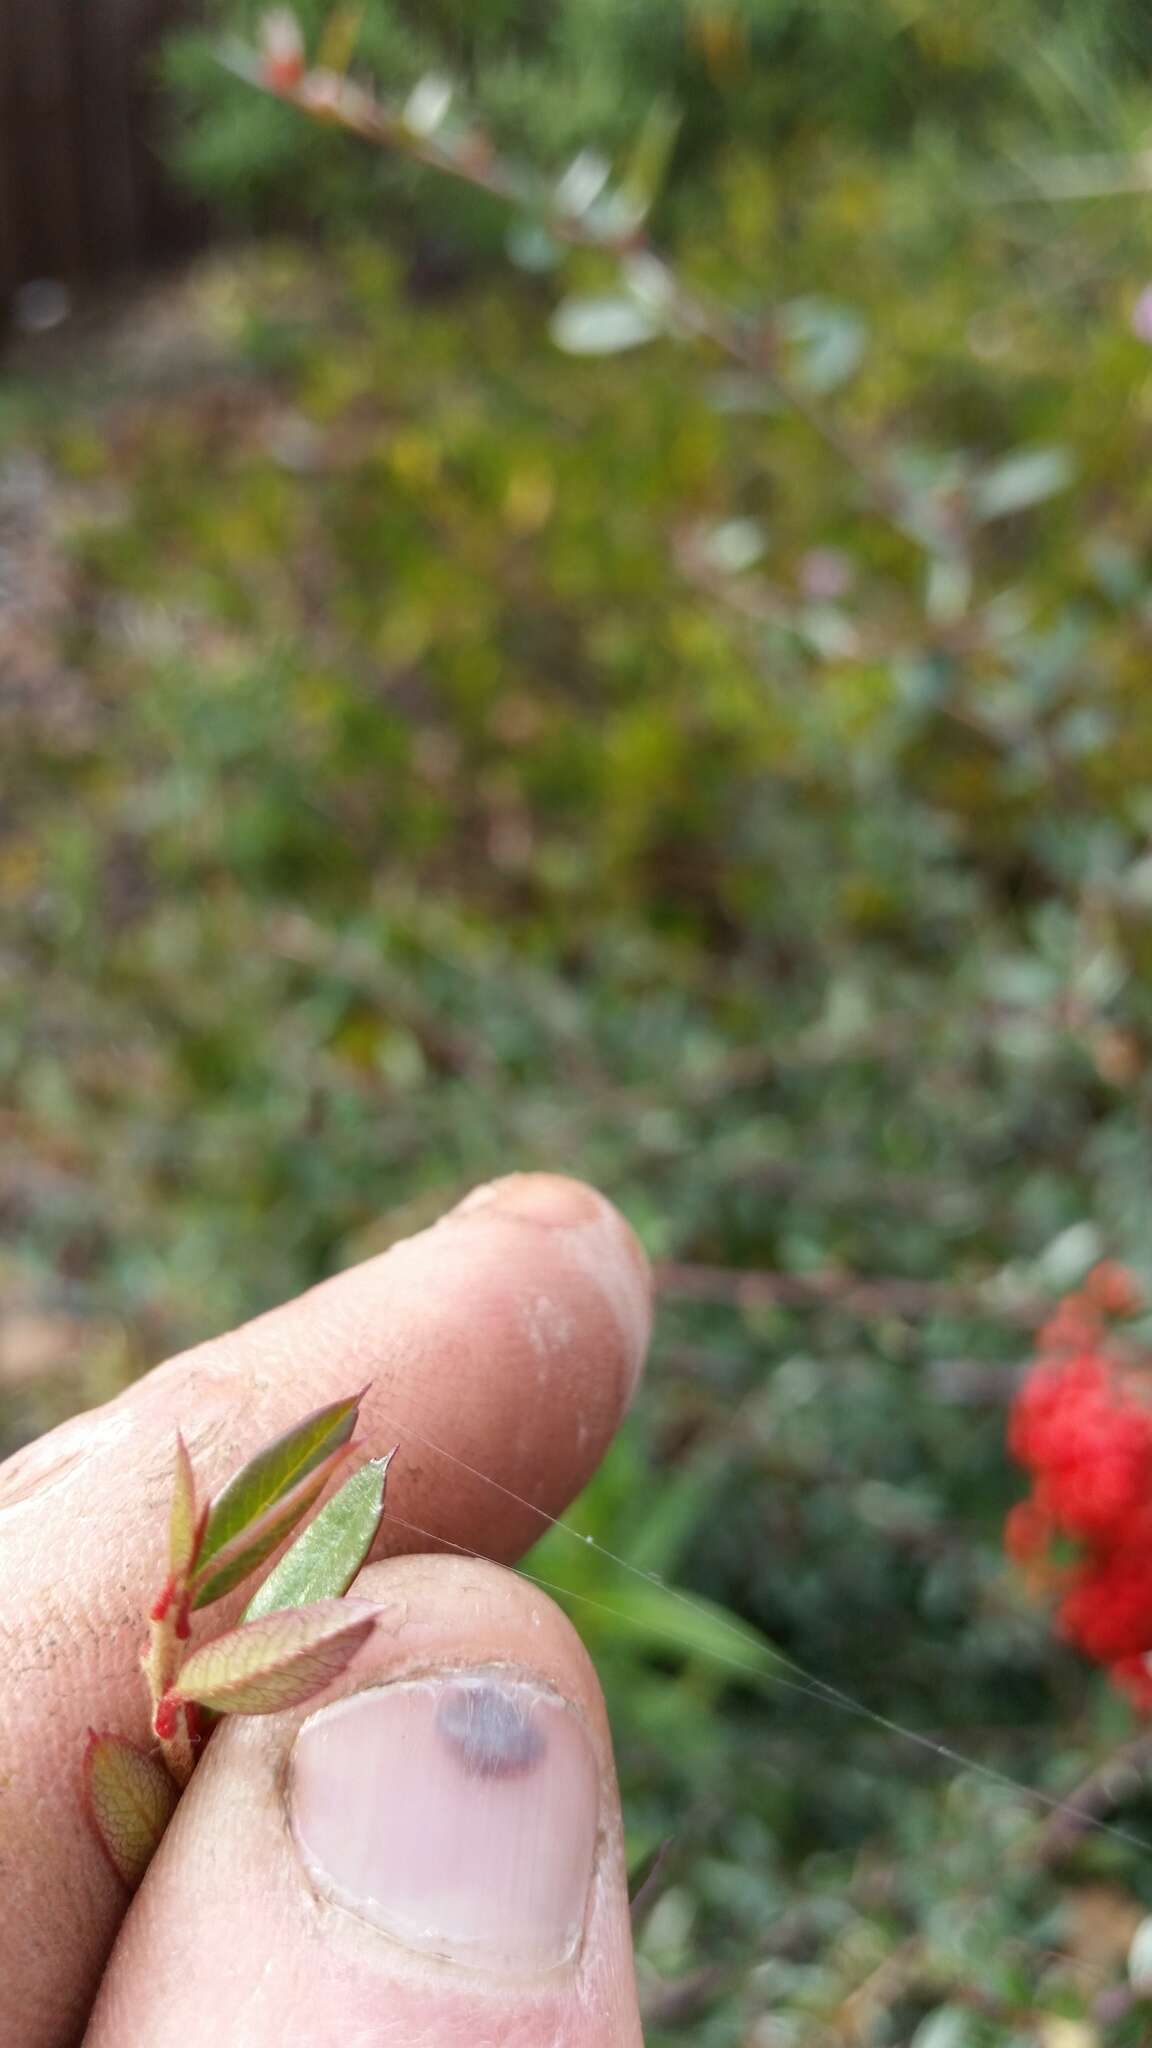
x=427 y=106
x=831 y=341
x=673 y=1511
x=581 y=184
x=276 y=1469
x=1021 y=481
x=950 y=2026
x=278 y=1661
x=532 y=248
x=325 y=1559
x=602 y=326
x=734 y=545
x=248 y=1549
x=131 y=1799
x=182 y=1520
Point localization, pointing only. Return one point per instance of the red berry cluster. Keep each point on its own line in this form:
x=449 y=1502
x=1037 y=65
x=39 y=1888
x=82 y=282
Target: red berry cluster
x=1082 y=1424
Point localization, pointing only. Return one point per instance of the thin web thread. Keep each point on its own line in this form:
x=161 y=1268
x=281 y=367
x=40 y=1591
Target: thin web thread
x=808 y=1684
x=1039 y=1951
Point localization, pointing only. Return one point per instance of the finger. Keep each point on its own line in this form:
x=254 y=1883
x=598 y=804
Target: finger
x=510 y=1335
x=433 y=1854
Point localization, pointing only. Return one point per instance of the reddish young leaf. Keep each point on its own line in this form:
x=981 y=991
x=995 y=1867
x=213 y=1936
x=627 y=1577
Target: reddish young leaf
x=182 y=1520
x=276 y=1469
x=130 y=1799
x=257 y=1540
x=279 y=1661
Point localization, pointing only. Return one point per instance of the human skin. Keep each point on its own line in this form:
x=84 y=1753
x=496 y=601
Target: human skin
x=430 y=1852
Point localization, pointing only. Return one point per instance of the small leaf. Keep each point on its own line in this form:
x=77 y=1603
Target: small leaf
x=582 y=183
x=426 y=107
x=247 y=1550
x=325 y=1559
x=647 y=167
x=276 y=1469
x=339 y=40
x=1021 y=481
x=182 y=1529
x=734 y=546
x=602 y=326
x=131 y=1799
x=532 y=248
x=948 y=2027
x=278 y=1661
x=948 y=590
x=650 y=282
x=831 y=342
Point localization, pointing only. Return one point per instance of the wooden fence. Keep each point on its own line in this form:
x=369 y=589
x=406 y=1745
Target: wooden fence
x=83 y=192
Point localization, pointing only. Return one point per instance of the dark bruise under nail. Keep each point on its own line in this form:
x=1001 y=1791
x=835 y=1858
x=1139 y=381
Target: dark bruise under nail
x=491 y=1730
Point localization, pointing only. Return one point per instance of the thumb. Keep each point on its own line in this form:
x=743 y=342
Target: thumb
x=430 y=1852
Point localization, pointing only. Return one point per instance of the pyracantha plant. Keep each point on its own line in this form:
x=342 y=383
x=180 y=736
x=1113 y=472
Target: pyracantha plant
x=296 y=1634
x=1082 y=1425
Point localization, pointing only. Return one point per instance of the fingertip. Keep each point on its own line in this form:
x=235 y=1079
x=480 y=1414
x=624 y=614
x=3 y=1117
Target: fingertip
x=594 y=1233
x=501 y=1347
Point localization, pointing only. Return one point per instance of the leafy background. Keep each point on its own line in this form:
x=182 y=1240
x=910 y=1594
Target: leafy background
x=437 y=752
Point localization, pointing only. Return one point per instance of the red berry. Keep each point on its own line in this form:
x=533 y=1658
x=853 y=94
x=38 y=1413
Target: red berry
x=1082 y=1424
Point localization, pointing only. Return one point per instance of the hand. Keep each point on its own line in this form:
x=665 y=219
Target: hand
x=429 y=1854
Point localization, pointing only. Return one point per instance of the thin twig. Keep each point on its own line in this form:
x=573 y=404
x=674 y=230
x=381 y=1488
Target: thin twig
x=847 y=1292
x=1121 y=1777
x=471 y=159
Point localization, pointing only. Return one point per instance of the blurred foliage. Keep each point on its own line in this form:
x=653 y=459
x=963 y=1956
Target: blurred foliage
x=810 y=77
x=439 y=753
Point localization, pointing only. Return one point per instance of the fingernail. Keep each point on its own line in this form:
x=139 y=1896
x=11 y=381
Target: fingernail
x=458 y=1814
x=535 y=1198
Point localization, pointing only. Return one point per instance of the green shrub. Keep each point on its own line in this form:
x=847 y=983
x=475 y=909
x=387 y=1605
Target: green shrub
x=777 y=75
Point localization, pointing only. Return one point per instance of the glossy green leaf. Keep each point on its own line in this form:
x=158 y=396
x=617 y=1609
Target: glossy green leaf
x=278 y=1661
x=276 y=1470
x=327 y=1555
x=248 y=1549
x=131 y=1799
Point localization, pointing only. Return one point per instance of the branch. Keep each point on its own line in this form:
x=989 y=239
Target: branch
x=863 y=1298
x=1121 y=1777
x=468 y=155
